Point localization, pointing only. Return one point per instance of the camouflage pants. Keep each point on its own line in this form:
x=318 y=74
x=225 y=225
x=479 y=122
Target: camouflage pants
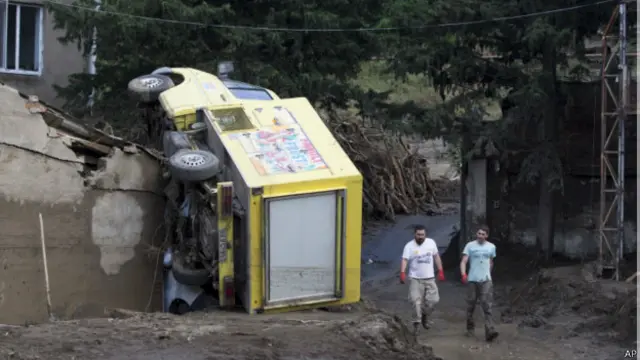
x=423 y=294
x=480 y=292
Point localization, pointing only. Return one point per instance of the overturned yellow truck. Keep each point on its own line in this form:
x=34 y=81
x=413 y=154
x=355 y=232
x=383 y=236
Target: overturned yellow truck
x=264 y=207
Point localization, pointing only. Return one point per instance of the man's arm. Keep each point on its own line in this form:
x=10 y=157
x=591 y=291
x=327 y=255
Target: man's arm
x=493 y=256
x=403 y=264
x=438 y=262
x=463 y=264
x=464 y=261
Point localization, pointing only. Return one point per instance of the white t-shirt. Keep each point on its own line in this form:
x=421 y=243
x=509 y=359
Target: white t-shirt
x=420 y=258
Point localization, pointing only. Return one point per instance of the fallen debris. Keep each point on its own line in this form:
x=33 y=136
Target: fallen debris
x=382 y=333
x=396 y=177
x=79 y=134
x=604 y=305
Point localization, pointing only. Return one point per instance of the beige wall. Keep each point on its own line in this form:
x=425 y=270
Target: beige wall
x=99 y=223
x=59 y=62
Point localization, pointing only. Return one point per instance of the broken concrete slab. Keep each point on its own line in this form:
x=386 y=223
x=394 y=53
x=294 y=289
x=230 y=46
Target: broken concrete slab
x=22 y=129
x=126 y=171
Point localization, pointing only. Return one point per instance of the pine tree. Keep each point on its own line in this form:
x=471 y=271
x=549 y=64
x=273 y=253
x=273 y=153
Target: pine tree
x=516 y=58
x=316 y=65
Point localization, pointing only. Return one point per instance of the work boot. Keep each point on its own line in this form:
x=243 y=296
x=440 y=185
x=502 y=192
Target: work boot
x=425 y=322
x=491 y=335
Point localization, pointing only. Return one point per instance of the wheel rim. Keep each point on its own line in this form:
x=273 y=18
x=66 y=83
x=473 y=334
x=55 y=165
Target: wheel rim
x=192 y=160
x=150 y=83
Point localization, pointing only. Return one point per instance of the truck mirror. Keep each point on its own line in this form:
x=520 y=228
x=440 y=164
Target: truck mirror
x=224 y=69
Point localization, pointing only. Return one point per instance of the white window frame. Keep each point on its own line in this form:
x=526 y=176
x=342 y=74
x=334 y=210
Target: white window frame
x=39 y=41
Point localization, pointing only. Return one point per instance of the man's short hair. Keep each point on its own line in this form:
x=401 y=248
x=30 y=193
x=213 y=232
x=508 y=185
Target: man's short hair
x=418 y=228
x=484 y=228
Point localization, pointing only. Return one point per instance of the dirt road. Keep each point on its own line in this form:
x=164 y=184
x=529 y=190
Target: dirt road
x=553 y=321
x=515 y=341
x=367 y=331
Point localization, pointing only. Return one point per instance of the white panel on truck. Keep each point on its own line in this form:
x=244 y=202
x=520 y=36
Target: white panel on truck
x=301 y=247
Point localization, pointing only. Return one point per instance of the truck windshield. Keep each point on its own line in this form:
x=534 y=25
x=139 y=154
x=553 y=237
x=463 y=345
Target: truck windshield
x=250 y=94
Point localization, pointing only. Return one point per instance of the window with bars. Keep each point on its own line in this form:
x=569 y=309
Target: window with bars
x=20 y=38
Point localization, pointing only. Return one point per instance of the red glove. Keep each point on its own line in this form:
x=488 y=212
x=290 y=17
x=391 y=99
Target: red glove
x=464 y=278
x=440 y=275
x=403 y=277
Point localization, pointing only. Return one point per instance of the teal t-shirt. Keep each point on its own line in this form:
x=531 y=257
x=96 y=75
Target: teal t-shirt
x=480 y=256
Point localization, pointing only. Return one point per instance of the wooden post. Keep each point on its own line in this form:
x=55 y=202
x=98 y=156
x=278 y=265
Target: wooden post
x=46 y=267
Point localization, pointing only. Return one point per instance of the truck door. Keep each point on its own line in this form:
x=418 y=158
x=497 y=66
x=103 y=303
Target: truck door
x=303 y=248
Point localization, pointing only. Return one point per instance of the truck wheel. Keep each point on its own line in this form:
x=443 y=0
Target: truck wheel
x=179 y=307
x=172 y=141
x=193 y=165
x=183 y=308
x=149 y=87
x=187 y=275
x=162 y=71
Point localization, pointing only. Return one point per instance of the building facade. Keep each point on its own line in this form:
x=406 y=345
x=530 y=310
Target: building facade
x=32 y=59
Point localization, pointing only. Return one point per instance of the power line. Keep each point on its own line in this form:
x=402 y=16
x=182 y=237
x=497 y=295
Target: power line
x=318 y=30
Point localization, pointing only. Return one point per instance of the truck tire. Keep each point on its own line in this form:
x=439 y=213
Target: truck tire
x=172 y=141
x=162 y=71
x=179 y=307
x=187 y=275
x=149 y=87
x=193 y=165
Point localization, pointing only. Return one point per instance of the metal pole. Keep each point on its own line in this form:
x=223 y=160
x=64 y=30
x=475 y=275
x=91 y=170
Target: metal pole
x=622 y=117
x=93 y=57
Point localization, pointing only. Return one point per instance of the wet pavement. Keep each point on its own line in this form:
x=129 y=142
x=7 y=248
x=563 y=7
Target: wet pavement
x=381 y=255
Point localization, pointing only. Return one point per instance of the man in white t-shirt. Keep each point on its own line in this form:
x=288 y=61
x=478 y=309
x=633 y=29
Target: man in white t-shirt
x=419 y=255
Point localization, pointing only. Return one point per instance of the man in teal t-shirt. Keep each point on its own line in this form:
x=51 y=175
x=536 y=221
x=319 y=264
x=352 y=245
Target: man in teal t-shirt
x=479 y=254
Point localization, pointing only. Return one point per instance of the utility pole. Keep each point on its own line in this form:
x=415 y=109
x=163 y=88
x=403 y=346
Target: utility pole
x=616 y=111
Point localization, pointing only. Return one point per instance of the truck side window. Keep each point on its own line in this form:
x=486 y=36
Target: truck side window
x=250 y=94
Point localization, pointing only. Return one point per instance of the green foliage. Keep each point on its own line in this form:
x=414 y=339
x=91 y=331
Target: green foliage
x=316 y=65
x=488 y=59
x=465 y=67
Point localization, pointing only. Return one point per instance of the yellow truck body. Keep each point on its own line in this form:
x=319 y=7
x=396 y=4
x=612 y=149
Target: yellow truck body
x=297 y=243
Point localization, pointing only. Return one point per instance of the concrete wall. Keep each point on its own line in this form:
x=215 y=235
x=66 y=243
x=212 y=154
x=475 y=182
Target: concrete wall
x=512 y=207
x=512 y=213
x=99 y=224
x=436 y=151
x=60 y=61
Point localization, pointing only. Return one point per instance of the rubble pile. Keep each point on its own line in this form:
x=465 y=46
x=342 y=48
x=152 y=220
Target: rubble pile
x=604 y=305
x=380 y=333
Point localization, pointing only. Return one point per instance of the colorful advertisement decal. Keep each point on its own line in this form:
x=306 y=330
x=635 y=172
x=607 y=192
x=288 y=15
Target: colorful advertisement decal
x=281 y=150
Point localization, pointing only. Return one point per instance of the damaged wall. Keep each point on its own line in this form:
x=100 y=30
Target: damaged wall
x=98 y=224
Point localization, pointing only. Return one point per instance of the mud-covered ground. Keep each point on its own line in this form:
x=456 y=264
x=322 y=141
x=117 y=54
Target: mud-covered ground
x=551 y=314
x=561 y=313
x=202 y=336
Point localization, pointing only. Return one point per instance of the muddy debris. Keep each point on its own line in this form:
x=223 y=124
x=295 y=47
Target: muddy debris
x=574 y=292
x=382 y=334
x=125 y=335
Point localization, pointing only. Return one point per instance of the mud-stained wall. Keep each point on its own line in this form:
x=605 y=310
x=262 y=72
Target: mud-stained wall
x=99 y=225
x=512 y=207
x=513 y=210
